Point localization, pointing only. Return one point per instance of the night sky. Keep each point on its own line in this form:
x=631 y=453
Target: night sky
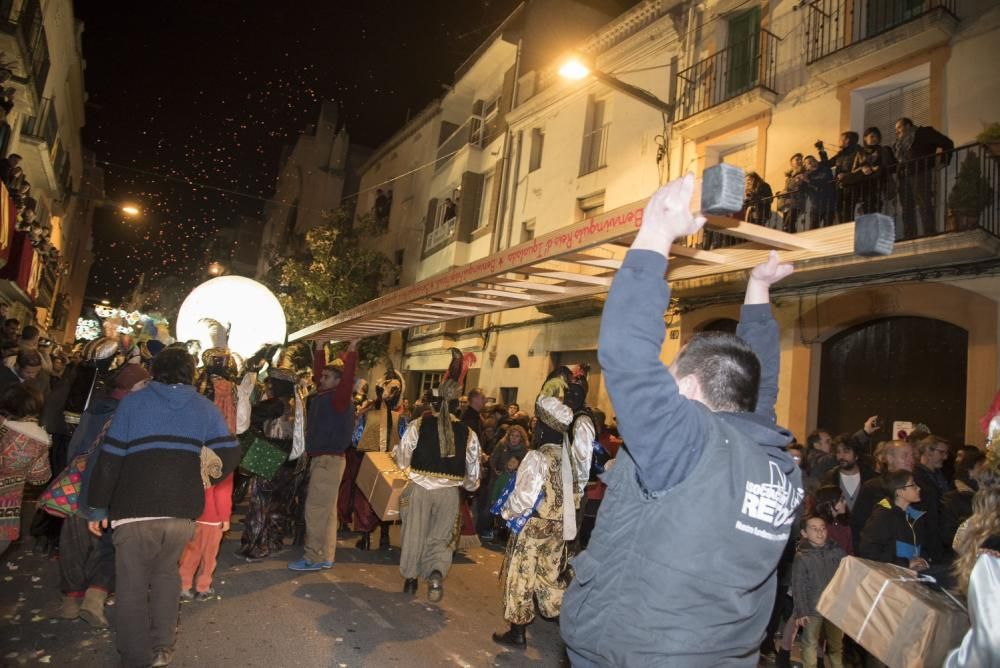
x=208 y=92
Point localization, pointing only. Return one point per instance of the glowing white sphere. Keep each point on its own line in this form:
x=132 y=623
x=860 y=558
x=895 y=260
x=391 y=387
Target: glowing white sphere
x=252 y=312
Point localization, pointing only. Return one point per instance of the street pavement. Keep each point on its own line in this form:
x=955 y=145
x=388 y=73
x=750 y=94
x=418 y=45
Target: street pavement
x=354 y=614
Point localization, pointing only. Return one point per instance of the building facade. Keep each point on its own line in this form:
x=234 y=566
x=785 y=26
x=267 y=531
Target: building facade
x=912 y=336
x=41 y=43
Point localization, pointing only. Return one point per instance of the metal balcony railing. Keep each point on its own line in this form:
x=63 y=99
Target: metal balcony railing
x=469 y=133
x=594 y=155
x=737 y=69
x=44 y=125
x=947 y=192
x=833 y=25
x=440 y=234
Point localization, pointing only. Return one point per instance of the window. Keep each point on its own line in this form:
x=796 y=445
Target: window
x=485 y=201
x=512 y=363
x=912 y=100
x=399 y=264
x=471 y=322
x=591 y=205
x=527 y=230
x=429 y=381
x=508 y=395
x=537 y=142
x=595 y=138
x=490 y=108
x=445 y=220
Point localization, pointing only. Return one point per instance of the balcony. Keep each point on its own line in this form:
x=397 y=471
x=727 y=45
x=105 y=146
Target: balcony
x=43 y=126
x=469 y=133
x=23 y=38
x=846 y=38
x=735 y=83
x=595 y=150
x=441 y=233
x=946 y=209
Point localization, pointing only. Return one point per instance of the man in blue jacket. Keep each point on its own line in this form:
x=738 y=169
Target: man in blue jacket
x=680 y=568
x=148 y=478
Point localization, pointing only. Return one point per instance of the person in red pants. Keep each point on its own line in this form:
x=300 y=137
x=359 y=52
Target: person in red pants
x=203 y=550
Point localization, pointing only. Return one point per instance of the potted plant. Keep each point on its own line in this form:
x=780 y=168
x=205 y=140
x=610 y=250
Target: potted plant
x=990 y=136
x=969 y=196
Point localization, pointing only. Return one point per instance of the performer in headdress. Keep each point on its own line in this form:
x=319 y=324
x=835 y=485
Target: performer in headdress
x=441 y=454
x=379 y=428
x=541 y=506
x=271 y=514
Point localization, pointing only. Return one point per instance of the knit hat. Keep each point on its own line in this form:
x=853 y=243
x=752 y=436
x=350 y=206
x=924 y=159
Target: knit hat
x=127 y=378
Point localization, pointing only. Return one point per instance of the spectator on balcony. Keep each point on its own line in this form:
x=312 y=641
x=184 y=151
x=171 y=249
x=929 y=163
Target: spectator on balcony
x=793 y=200
x=757 y=196
x=847 y=182
x=821 y=193
x=8 y=166
x=917 y=151
x=873 y=165
x=450 y=209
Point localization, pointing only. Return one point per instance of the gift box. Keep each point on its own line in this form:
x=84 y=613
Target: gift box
x=262 y=458
x=893 y=613
x=382 y=482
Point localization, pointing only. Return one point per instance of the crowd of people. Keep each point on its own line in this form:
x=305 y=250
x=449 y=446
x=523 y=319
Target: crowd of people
x=689 y=530
x=867 y=174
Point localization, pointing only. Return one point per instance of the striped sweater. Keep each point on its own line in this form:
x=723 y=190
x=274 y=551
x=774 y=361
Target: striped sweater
x=149 y=464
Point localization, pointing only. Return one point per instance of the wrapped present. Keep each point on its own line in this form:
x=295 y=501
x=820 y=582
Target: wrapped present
x=381 y=481
x=262 y=458
x=894 y=613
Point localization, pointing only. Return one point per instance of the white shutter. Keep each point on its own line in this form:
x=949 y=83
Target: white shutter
x=912 y=101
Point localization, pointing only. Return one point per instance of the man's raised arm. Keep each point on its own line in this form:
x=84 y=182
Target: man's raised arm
x=663 y=431
x=758 y=328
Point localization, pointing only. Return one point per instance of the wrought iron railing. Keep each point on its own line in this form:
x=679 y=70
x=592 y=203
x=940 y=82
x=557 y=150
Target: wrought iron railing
x=737 y=69
x=833 y=25
x=953 y=191
x=594 y=155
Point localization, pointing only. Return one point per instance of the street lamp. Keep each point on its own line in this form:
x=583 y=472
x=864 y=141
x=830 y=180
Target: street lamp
x=130 y=210
x=577 y=67
x=216 y=269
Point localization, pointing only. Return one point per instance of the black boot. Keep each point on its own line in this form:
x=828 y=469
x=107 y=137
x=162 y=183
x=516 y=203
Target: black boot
x=383 y=541
x=783 y=659
x=435 y=587
x=365 y=542
x=410 y=586
x=513 y=638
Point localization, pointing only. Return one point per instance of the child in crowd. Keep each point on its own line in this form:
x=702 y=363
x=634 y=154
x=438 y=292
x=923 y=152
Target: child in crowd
x=830 y=504
x=816 y=561
x=203 y=549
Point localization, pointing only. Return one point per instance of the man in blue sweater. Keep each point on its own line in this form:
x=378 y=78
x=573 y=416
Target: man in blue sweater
x=148 y=479
x=329 y=427
x=680 y=568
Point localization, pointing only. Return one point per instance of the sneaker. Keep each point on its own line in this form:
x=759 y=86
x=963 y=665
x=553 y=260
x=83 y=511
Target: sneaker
x=206 y=595
x=187 y=596
x=306 y=565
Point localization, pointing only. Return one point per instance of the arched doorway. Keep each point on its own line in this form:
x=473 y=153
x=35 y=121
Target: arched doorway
x=900 y=368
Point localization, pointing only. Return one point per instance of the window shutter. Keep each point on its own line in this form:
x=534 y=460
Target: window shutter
x=468 y=207
x=912 y=101
x=432 y=206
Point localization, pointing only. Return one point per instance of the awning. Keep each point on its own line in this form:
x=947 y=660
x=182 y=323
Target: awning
x=575 y=261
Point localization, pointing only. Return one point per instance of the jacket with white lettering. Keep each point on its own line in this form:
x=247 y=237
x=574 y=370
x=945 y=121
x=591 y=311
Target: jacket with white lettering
x=691 y=488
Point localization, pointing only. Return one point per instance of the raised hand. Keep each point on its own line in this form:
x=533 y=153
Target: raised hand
x=668 y=217
x=763 y=277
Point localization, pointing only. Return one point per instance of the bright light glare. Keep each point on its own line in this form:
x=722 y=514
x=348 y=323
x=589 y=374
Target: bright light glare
x=130 y=210
x=253 y=313
x=574 y=70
